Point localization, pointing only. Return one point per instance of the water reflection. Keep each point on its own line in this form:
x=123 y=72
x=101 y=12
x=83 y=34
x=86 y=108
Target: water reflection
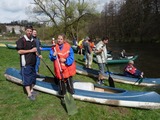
x=148 y=60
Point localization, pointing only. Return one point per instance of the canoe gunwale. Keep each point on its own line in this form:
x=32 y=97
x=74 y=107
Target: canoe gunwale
x=148 y=82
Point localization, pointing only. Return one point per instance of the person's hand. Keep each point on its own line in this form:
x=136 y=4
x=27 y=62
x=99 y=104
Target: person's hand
x=40 y=56
x=55 y=53
x=62 y=60
x=101 y=50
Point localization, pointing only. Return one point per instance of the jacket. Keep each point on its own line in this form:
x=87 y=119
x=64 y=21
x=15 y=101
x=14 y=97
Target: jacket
x=130 y=69
x=69 y=67
x=101 y=57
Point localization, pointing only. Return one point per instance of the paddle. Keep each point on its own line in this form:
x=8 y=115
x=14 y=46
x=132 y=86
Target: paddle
x=110 y=79
x=48 y=67
x=56 y=81
x=139 y=81
x=68 y=98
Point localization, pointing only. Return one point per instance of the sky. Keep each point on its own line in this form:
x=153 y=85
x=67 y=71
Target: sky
x=14 y=10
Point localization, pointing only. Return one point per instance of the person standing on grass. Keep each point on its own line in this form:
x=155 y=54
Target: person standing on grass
x=62 y=56
x=101 y=56
x=26 y=47
x=38 y=45
x=92 y=47
x=87 y=52
x=80 y=47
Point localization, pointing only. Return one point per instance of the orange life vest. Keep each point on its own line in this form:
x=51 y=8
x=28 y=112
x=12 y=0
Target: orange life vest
x=130 y=68
x=91 y=45
x=67 y=70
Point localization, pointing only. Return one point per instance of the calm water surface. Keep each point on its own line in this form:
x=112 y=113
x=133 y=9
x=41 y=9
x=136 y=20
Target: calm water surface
x=148 y=60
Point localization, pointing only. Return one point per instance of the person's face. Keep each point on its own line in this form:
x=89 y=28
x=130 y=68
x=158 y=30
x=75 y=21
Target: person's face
x=105 y=41
x=29 y=33
x=34 y=33
x=60 y=40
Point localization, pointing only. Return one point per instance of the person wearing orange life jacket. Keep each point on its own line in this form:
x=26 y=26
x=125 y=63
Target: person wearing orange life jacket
x=132 y=71
x=64 y=64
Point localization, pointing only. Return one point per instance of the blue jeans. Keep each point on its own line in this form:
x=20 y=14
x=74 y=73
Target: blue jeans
x=37 y=64
x=101 y=68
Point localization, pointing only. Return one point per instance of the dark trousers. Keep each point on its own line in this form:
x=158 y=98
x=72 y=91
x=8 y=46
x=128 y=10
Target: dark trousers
x=66 y=85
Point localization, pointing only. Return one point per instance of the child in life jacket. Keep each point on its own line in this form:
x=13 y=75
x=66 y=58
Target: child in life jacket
x=132 y=71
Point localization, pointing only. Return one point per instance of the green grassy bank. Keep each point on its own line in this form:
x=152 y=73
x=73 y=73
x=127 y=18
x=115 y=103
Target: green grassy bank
x=14 y=104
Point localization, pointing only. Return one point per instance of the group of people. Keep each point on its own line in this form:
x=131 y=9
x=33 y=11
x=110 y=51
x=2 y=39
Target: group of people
x=62 y=55
x=100 y=50
x=88 y=46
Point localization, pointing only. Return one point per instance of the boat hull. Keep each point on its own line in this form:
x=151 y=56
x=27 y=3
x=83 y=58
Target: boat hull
x=119 y=61
x=2 y=45
x=86 y=91
x=11 y=46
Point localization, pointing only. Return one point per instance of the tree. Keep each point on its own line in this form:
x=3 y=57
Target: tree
x=65 y=15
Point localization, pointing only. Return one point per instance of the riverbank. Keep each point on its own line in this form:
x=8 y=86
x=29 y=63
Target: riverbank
x=14 y=103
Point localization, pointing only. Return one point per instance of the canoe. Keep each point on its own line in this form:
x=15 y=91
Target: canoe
x=119 y=77
x=120 y=60
x=2 y=45
x=86 y=91
x=11 y=46
x=46 y=46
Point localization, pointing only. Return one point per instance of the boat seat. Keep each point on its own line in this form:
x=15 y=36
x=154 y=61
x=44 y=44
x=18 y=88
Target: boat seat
x=84 y=86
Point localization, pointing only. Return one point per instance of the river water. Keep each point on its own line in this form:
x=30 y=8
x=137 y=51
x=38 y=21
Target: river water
x=148 y=59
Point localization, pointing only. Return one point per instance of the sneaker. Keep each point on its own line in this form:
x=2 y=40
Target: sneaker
x=99 y=82
x=34 y=93
x=32 y=98
x=102 y=81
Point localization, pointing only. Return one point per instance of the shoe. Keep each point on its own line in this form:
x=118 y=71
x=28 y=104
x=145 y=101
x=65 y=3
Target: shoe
x=99 y=82
x=34 y=93
x=32 y=98
x=102 y=81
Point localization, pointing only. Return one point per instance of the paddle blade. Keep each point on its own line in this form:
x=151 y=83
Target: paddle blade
x=111 y=82
x=70 y=104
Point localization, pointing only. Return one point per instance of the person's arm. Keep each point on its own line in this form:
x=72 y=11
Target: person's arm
x=98 y=49
x=27 y=51
x=52 y=57
x=70 y=58
x=20 y=47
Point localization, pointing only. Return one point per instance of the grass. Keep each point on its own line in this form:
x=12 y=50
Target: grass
x=15 y=106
